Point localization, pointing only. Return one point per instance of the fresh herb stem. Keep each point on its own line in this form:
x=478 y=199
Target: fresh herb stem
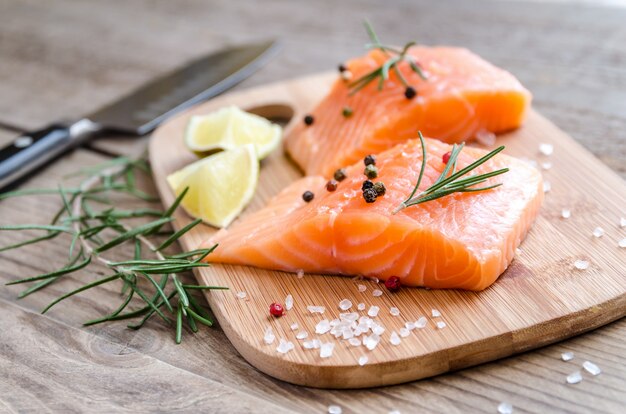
x=453 y=183
x=395 y=57
x=90 y=230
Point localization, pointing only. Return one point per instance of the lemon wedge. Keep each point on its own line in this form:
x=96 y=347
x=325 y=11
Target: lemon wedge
x=220 y=186
x=229 y=128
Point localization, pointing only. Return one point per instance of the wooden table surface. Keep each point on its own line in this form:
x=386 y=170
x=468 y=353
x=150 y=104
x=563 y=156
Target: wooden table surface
x=63 y=59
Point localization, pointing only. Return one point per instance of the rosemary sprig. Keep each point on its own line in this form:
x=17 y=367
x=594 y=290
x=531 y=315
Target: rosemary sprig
x=95 y=231
x=395 y=56
x=453 y=183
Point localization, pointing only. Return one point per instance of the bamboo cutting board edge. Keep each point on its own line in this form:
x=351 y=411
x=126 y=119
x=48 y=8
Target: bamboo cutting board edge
x=301 y=367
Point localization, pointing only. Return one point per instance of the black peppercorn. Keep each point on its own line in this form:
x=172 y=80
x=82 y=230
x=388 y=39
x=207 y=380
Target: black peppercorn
x=308 y=120
x=307 y=196
x=331 y=185
x=369 y=159
x=371 y=171
x=340 y=174
x=347 y=112
x=410 y=92
x=342 y=68
x=380 y=188
x=367 y=184
x=369 y=195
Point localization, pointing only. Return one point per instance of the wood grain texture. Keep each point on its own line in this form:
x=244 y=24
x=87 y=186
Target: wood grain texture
x=578 y=76
x=540 y=299
x=65 y=58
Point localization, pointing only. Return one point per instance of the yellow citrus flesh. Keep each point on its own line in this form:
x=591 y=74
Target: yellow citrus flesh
x=220 y=186
x=229 y=128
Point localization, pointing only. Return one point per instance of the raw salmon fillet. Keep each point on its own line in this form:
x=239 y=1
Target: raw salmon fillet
x=463 y=96
x=463 y=240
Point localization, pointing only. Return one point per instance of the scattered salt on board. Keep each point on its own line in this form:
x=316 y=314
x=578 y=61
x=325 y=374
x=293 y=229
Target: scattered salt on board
x=567 y=356
x=505 y=408
x=363 y=360
x=581 y=264
x=592 y=368
x=241 y=295
x=284 y=346
x=334 y=409
x=546 y=149
x=574 y=378
x=289 y=302
x=269 y=336
x=345 y=304
x=326 y=349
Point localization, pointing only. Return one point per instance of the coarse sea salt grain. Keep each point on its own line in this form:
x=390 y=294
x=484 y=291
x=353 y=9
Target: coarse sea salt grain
x=323 y=326
x=363 y=360
x=505 y=408
x=546 y=165
x=409 y=325
x=300 y=273
x=316 y=309
x=598 y=232
x=581 y=264
x=421 y=322
x=592 y=368
x=566 y=213
x=441 y=324
x=377 y=292
x=394 y=412
x=547 y=186
x=394 y=311
x=334 y=409
x=326 y=349
x=241 y=295
x=546 y=149
x=567 y=356
x=345 y=304
x=312 y=344
x=435 y=313
x=302 y=335
x=404 y=332
x=518 y=251
x=361 y=288
x=269 y=336
x=360 y=306
x=378 y=329
x=622 y=243
x=486 y=138
x=622 y=222
x=574 y=378
x=294 y=326
x=289 y=302
x=354 y=341
x=371 y=341
x=373 y=311
x=394 y=338
x=284 y=346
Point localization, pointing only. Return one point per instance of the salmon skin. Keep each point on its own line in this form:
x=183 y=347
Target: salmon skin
x=462 y=96
x=463 y=240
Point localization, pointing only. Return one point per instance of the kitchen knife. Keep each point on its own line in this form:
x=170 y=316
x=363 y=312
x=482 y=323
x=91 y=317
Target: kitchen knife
x=139 y=112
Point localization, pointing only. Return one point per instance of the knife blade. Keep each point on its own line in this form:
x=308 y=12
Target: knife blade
x=139 y=112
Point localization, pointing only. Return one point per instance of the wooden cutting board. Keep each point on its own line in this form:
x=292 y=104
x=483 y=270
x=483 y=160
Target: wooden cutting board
x=540 y=299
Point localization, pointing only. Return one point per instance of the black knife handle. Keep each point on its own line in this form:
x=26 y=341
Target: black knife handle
x=32 y=150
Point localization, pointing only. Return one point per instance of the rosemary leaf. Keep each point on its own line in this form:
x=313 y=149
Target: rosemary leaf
x=178 y=234
x=179 y=324
x=132 y=233
x=82 y=289
x=60 y=272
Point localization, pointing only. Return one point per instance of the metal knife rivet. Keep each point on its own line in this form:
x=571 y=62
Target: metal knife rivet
x=23 y=142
